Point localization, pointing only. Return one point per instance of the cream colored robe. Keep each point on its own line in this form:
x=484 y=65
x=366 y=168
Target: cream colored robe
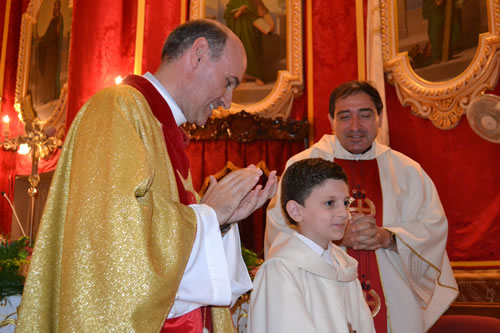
x=114 y=239
x=296 y=290
x=417 y=279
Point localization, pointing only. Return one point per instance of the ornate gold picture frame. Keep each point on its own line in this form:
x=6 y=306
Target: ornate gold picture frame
x=443 y=102
x=42 y=72
x=289 y=82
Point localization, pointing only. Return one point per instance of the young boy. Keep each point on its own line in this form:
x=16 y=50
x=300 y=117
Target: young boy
x=308 y=284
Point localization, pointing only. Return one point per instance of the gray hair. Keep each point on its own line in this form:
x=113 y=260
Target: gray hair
x=183 y=37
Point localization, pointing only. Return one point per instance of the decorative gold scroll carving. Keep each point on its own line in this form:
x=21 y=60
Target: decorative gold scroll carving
x=229 y=167
x=443 y=103
x=246 y=127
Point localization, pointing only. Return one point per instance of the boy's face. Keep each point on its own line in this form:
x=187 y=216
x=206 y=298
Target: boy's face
x=324 y=216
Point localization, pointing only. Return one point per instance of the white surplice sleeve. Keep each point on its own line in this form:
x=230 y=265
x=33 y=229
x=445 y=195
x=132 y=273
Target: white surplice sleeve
x=216 y=273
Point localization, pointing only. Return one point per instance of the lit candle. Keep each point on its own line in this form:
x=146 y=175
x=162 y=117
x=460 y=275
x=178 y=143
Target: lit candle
x=24 y=149
x=5 y=127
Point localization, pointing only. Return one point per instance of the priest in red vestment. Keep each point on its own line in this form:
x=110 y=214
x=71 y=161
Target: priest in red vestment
x=125 y=243
x=398 y=231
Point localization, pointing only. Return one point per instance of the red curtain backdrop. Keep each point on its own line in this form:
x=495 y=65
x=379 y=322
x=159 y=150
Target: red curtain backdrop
x=103 y=43
x=334 y=54
x=8 y=158
x=161 y=18
x=462 y=165
x=102 y=47
x=464 y=168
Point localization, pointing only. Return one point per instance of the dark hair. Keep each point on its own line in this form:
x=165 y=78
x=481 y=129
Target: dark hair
x=352 y=88
x=183 y=37
x=301 y=177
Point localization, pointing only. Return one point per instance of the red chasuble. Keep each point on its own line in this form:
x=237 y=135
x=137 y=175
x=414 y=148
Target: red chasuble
x=364 y=184
x=197 y=319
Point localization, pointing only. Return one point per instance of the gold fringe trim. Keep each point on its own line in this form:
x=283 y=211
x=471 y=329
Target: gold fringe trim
x=429 y=263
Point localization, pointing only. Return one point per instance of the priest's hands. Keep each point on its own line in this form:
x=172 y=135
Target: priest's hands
x=255 y=199
x=362 y=233
x=236 y=196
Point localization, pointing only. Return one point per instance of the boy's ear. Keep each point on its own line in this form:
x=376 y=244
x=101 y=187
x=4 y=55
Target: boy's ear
x=294 y=209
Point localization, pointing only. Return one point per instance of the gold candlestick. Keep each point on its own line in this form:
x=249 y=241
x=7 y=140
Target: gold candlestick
x=41 y=145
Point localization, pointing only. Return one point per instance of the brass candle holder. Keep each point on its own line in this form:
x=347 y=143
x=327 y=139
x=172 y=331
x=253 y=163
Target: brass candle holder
x=40 y=145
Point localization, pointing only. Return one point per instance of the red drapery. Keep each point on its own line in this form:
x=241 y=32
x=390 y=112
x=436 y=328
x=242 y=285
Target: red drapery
x=462 y=165
x=334 y=54
x=102 y=48
x=103 y=43
x=8 y=158
x=464 y=168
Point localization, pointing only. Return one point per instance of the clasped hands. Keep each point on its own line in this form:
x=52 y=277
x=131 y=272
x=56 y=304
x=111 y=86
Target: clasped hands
x=362 y=233
x=237 y=195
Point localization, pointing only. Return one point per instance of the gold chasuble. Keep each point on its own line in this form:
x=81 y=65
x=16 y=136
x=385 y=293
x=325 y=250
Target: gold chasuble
x=115 y=236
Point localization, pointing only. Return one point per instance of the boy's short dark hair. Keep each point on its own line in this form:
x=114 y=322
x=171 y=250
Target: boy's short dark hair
x=352 y=88
x=301 y=177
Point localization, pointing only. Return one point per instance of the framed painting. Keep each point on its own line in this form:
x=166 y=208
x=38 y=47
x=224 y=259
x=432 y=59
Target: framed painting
x=42 y=73
x=271 y=32
x=440 y=37
x=440 y=54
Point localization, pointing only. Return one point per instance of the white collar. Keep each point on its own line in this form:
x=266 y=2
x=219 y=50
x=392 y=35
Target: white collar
x=343 y=153
x=315 y=247
x=324 y=254
x=331 y=146
x=176 y=110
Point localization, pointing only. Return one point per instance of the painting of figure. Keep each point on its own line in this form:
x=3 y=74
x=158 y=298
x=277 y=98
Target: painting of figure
x=49 y=55
x=440 y=36
x=261 y=26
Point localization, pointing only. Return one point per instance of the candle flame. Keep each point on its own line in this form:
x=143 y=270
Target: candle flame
x=23 y=149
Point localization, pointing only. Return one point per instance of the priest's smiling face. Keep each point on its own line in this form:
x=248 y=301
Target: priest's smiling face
x=356 y=122
x=216 y=80
x=324 y=215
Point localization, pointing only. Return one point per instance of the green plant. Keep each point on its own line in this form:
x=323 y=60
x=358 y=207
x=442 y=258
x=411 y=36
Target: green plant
x=14 y=258
x=252 y=261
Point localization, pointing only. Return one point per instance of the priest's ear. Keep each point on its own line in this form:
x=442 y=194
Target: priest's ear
x=330 y=119
x=294 y=210
x=198 y=51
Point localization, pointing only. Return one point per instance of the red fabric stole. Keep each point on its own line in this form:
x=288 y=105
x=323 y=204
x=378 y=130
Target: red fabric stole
x=195 y=320
x=364 y=184
x=172 y=133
